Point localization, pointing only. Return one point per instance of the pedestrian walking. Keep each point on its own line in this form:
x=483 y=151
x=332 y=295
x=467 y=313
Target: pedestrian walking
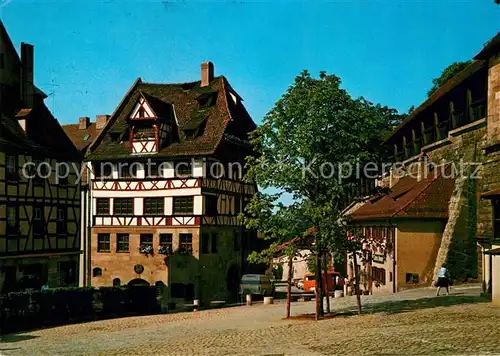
x=443 y=281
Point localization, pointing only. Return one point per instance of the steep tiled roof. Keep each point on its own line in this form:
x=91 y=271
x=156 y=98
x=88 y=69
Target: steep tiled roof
x=44 y=134
x=410 y=198
x=81 y=138
x=211 y=109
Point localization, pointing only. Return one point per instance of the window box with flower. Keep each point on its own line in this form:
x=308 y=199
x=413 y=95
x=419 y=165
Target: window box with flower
x=165 y=250
x=146 y=249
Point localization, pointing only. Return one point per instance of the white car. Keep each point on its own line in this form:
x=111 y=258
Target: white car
x=300 y=284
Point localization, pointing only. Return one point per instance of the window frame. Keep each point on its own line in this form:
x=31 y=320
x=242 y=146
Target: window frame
x=103 y=210
x=186 y=241
x=11 y=168
x=142 y=238
x=153 y=206
x=101 y=242
x=118 y=204
x=183 y=209
x=119 y=243
x=181 y=171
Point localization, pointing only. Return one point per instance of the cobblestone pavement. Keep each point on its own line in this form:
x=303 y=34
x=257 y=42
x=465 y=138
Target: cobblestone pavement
x=410 y=323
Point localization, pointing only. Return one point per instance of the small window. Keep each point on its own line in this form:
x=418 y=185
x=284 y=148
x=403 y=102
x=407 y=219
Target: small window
x=205 y=240
x=122 y=242
x=61 y=214
x=103 y=170
x=166 y=243
x=186 y=242
x=146 y=240
x=183 y=169
x=123 y=206
x=128 y=170
x=151 y=170
x=37 y=213
x=12 y=220
x=211 y=205
x=11 y=162
x=103 y=243
x=116 y=282
x=412 y=278
x=214 y=242
x=97 y=272
x=86 y=137
x=183 y=205
x=153 y=206
x=102 y=206
x=166 y=239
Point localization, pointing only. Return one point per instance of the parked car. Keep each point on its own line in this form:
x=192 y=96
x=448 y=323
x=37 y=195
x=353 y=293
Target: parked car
x=256 y=284
x=329 y=278
x=300 y=284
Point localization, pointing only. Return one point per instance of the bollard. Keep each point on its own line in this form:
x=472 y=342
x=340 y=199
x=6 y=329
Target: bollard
x=249 y=299
x=196 y=304
x=268 y=300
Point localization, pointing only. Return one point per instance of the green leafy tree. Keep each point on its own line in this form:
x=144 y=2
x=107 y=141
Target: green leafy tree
x=284 y=225
x=448 y=73
x=309 y=145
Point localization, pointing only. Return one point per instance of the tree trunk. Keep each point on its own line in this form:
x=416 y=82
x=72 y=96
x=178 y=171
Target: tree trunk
x=356 y=281
x=289 y=286
x=325 y=258
x=319 y=287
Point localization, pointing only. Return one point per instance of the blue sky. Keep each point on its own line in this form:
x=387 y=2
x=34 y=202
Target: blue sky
x=88 y=53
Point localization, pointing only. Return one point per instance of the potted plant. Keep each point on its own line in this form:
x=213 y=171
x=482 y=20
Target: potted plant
x=165 y=250
x=146 y=249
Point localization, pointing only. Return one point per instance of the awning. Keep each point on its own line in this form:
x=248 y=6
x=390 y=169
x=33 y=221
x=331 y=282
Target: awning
x=492 y=194
x=495 y=251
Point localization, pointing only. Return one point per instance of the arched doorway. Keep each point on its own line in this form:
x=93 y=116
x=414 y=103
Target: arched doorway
x=233 y=282
x=138 y=282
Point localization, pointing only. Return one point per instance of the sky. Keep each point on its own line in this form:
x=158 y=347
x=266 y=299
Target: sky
x=88 y=53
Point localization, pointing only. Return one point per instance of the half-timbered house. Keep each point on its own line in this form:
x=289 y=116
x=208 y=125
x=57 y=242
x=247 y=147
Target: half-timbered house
x=39 y=209
x=167 y=188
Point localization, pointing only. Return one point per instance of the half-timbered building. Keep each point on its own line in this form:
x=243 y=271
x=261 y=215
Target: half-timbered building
x=167 y=188
x=39 y=209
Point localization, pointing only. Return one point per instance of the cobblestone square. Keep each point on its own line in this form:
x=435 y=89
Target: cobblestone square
x=411 y=322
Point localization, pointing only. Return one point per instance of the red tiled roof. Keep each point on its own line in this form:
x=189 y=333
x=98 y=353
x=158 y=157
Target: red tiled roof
x=410 y=198
x=81 y=138
x=210 y=108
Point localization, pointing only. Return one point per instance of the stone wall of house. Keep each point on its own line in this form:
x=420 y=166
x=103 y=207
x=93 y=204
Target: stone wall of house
x=207 y=272
x=417 y=245
x=463 y=151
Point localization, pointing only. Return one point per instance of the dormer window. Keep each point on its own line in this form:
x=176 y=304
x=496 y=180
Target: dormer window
x=114 y=136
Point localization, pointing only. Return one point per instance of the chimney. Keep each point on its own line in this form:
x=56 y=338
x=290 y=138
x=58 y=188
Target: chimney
x=27 y=69
x=207 y=73
x=100 y=121
x=84 y=123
